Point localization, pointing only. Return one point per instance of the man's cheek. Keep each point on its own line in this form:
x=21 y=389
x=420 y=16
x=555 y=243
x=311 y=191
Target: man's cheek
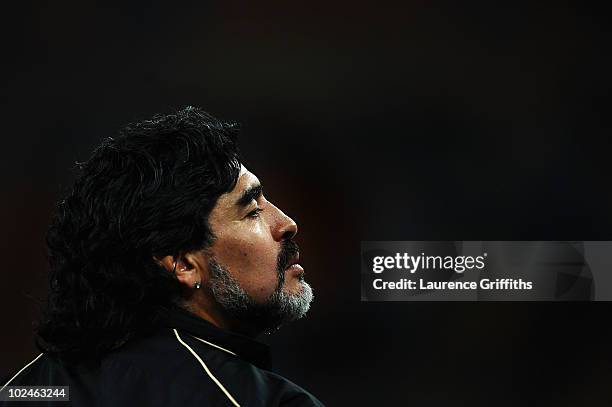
x=232 y=247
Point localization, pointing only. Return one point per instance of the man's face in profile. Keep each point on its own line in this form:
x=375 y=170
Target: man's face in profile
x=253 y=261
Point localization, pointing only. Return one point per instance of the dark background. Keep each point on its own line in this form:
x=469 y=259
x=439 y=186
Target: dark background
x=430 y=120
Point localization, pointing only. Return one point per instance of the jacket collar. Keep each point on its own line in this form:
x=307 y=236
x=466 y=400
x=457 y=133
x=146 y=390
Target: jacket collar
x=244 y=347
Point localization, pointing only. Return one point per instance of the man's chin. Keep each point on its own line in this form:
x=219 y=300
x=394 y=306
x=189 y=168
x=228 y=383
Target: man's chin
x=296 y=300
x=294 y=288
x=290 y=301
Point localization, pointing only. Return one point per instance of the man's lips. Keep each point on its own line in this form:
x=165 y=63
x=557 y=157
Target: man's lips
x=294 y=266
x=295 y=269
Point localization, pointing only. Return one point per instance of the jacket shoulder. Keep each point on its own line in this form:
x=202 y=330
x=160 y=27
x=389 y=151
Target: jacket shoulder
x=160 y=370
x=206 y=369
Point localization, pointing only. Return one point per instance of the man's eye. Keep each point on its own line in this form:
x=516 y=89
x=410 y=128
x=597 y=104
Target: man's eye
x=254 y=213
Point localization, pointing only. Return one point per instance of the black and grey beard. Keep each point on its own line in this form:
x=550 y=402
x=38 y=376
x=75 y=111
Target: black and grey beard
x=280 y=308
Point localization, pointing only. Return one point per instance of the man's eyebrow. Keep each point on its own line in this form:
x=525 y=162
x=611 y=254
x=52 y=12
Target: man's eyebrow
x=251 y=193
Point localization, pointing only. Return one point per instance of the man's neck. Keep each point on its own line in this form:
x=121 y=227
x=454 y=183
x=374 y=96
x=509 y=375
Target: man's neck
x=210 y=311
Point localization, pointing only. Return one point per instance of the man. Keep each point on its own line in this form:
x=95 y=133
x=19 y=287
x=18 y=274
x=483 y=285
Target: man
x=166 y=259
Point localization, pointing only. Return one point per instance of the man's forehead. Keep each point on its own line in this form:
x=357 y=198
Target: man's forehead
x=243 y=170
x=246 y=179
x=228 y=200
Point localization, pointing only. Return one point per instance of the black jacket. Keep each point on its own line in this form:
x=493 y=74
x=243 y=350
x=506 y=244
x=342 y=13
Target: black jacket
x=186 y=362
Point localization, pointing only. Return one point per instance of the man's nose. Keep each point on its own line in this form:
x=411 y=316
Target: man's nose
x=285 y=227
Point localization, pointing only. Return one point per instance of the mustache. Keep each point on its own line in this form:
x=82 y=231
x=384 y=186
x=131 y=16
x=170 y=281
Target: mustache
x=288 y=251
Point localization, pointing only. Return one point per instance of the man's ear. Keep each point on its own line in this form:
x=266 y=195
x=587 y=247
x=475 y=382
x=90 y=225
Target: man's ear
x=190 y=268
x=166 y=262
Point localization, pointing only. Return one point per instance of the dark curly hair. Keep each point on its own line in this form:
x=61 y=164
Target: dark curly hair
x=141 y=196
